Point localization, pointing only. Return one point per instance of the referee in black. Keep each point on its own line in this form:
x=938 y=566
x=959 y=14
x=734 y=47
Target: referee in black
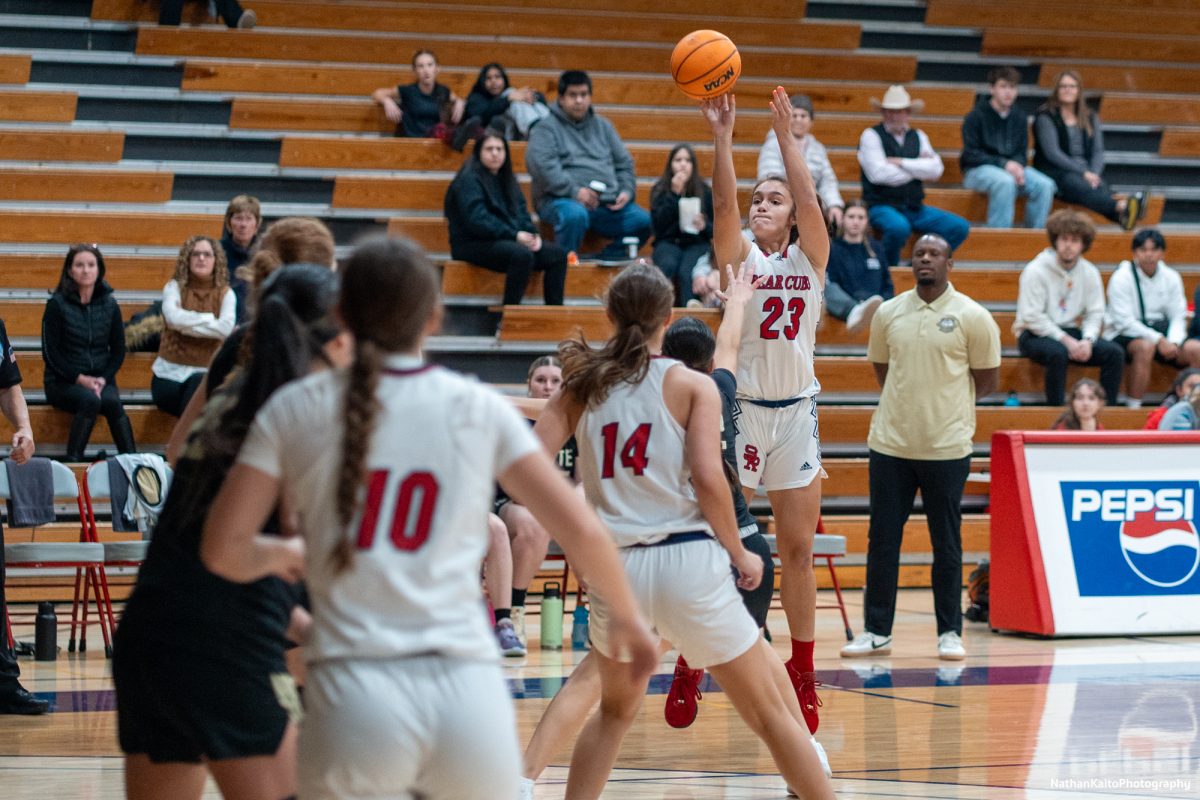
x=14 y=699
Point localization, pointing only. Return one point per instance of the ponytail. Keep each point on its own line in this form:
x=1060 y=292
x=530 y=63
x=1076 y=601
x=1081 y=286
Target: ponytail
x=361 y=408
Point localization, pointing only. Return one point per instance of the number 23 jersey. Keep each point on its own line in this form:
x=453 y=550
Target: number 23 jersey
x=421 y=531
x=779 y=333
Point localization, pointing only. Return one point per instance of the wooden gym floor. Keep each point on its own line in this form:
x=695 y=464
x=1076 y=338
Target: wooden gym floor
x=1020 y=718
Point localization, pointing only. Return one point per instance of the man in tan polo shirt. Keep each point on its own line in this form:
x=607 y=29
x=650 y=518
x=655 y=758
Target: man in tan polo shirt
x=934 y=351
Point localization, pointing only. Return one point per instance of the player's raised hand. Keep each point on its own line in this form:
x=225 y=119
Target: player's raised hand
x=781 y=113
x=720 y=112
x=740 y=287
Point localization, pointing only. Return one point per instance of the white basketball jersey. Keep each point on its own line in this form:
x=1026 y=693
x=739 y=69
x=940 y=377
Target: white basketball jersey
x=632 y=465
x=779 y=334
x=439 y=441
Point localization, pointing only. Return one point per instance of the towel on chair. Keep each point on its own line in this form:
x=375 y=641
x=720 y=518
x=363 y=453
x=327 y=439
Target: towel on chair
x=30 y=492
x=137 y=485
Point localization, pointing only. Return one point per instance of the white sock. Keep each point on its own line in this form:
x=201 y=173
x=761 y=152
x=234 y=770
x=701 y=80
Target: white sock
x=1132 y=403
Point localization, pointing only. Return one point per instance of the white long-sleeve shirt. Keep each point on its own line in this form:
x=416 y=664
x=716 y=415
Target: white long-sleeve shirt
x=1163 y=296
x=816 y=157
x=203 y=324
x=927 y=166
x=1050 y=298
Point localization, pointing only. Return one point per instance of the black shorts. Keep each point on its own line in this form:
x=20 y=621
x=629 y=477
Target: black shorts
x=185 y=704
x=1124 y=341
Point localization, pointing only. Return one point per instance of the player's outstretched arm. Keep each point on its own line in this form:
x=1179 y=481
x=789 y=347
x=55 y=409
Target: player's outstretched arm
x=739 y=290
x=814 y=236
x=729 y=246
x=233 y=545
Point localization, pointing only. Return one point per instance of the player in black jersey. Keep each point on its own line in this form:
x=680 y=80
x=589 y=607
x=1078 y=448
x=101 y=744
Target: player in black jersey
x=199 y=661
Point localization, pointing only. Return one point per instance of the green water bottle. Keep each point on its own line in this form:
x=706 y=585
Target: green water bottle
x=552 y=616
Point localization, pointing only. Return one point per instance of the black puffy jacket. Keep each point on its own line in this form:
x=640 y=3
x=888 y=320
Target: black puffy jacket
x=80 y=339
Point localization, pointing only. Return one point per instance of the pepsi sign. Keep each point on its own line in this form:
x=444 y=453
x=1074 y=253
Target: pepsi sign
x=1133 y=538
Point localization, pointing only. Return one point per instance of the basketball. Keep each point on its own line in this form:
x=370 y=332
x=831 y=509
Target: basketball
x=705 y=64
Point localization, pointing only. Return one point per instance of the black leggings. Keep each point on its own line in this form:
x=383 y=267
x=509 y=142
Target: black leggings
x=517 y=262
x=758 y=601
x=171 y=12
x=173 y=396
x=83 y=402
x=1074 y=189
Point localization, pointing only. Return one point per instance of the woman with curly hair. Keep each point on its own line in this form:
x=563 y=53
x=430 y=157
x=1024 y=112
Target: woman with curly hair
x=199 y=311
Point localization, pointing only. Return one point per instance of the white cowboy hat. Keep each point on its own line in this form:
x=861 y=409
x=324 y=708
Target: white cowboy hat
x=896 y=98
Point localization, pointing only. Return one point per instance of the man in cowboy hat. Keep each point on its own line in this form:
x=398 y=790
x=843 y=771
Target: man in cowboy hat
x=896 y=160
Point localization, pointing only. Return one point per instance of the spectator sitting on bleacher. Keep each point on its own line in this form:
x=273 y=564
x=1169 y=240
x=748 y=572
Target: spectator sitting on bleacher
x=171 y=12
x=491 y=228
x=1184 y=415
x=896 y=160
x=1060 y=308
x=199 y=311
x=83 y=346
x=1069 y=147
x=1185 y=381
x=995 y=148
x=492 y=103
x=681 y=207
x=425 y=108
x=1147 y=314
x=816 y=158
x=1083 y=411
x=583 y=174
x=857 y=279
x=243 y=217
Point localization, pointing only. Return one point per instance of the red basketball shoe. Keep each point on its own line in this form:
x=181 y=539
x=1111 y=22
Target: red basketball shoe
x=805 y=684
x=680 y=710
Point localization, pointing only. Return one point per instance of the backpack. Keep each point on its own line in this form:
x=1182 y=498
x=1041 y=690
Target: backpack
x=978 y=584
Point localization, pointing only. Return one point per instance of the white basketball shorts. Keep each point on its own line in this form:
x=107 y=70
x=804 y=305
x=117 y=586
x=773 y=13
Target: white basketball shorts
x=689 y=597
x=426 y=727
x=779 y=448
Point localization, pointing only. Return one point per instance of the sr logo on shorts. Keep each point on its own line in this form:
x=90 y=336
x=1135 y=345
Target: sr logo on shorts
x=1133 y=538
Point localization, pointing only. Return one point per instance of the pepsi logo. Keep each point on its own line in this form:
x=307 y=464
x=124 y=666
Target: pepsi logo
x=1161 y=553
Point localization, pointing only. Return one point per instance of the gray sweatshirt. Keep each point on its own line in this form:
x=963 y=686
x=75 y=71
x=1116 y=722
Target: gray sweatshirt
x=564 y=155
x=1051 y=298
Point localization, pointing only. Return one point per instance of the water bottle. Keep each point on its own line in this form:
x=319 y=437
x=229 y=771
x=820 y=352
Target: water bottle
x=631 y=246
x=45 y=633
x=579 y=627
x=552 y=616
x=1012 y=400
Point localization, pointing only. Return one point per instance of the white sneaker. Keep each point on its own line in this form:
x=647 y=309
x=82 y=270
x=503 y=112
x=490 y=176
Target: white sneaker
x=525 y=789
x=860 y=316
x=867 y=644
x=824 y=765
x=517 y=615
x=950 y=647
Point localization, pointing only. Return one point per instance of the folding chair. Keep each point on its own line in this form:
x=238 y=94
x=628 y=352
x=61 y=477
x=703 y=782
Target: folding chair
x=826 y=547
x=96 y=486
x=86 y=557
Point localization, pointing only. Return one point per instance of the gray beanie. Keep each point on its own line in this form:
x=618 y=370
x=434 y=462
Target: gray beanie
x=803 y=101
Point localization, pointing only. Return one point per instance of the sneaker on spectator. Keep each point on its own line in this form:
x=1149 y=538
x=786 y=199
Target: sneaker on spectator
x=867 y=644
x=248 y=19
x=683 y=696
x=518 y=623
x=525 y=789
x=805 y=684
x=860 y=316
x=950 y=647
x=1135 y=209
x=510 y=645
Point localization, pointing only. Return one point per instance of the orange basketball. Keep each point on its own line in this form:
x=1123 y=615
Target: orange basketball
x=705 y=64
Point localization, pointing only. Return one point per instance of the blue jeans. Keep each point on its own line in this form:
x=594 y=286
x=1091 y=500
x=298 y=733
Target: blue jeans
x=897 y=224
x=571 y=220
x=1002 y=190
x=838 y=302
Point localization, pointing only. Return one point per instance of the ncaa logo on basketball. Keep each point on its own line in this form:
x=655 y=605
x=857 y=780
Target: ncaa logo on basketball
x=1133 y=537
x=724 y=77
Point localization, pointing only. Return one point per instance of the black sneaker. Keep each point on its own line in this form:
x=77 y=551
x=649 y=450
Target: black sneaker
x=466 y=130
x=19 y=701
x=1135 y=209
